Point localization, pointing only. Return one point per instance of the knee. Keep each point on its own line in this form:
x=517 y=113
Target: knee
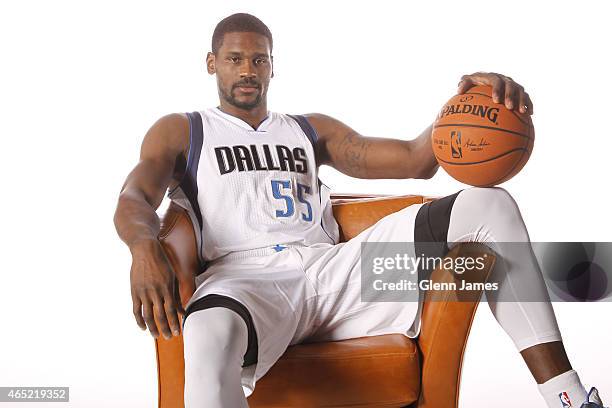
x=214 y=339
x=494 y=202
x=214 y=344
x=495 y=211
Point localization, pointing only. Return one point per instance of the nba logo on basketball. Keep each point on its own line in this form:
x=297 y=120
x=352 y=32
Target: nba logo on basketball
x=456 y=144
x=565 y=400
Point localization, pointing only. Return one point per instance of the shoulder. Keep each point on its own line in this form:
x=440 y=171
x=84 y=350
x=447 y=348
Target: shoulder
x=170 y=133
x=174 y=127
x=326 y=126
x=328 y=131
x=168 y=139
x=321 y=122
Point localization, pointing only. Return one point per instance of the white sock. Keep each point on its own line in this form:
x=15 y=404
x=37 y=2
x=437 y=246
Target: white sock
x=563 y=389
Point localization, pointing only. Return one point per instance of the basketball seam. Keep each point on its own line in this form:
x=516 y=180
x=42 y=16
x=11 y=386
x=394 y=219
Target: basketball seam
x=482 y=127
x=478 y=93
x=511 y=169
x=515 y=164
x=484 y=161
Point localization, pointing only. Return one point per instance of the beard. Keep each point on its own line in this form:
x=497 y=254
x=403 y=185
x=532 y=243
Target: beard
x=230 y=97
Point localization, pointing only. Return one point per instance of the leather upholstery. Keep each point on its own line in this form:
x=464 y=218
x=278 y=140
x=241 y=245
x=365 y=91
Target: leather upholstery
x=445 y=326
x=377 y=371
x=357 y=214
x=179 y=242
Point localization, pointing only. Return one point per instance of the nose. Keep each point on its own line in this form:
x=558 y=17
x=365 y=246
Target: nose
x=247 y=69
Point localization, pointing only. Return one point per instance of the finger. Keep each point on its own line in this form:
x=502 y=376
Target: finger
x=499 y=90
x=180 y=308
x=160 y=315
x=137 y=310
x=490 y=79
x=477 y=78
x=465 y=84
x=523 y=102
x=511 y=94
x=147 y=309
x=171 y=314
x=177 y=298
x=528 y=103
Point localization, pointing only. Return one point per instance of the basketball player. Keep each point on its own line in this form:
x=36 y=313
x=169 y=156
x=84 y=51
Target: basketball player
x=276 y=273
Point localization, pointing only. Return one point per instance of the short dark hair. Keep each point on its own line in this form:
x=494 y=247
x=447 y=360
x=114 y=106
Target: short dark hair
x=239 y=23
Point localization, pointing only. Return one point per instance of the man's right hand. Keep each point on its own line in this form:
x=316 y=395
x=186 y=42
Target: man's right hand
x=152 y=283
x=162 y=159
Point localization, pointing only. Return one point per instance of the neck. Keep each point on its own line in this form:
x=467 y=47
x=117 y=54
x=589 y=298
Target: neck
x=251 y=116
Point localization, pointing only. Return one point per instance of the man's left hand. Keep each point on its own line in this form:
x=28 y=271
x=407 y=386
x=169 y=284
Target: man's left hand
x=504 y=89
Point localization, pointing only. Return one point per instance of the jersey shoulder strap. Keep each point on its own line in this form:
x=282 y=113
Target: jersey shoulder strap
x=189 y=181
x=306 y=127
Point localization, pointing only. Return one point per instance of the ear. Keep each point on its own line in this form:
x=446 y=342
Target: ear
x=272 y=64
x=210 y=63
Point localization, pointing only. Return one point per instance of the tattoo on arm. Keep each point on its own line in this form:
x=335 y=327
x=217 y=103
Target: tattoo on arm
x=353 y=153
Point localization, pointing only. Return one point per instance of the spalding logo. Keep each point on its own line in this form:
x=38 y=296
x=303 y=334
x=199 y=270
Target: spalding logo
x=485 y=112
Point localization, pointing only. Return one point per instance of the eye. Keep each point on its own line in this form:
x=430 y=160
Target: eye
x=234 y=60
x=259 y=61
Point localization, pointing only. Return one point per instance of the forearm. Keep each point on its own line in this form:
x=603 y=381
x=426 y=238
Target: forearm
x=367 y=157
x=135 y=220
x=422 y=150
x=384 y=158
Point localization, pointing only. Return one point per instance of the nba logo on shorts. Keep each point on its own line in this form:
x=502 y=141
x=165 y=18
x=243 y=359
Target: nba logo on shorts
x=565 y=400
x=455 y=137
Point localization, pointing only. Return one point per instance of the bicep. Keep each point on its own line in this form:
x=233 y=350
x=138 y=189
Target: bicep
x=360 y=156
x=161 y=152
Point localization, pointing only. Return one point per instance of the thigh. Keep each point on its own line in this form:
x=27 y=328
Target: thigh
x=335 y=272
x=273 y=290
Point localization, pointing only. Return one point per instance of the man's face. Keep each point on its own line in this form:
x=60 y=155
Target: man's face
x=243 y=65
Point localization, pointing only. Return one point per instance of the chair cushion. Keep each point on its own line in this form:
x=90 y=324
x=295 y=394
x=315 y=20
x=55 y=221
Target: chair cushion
x=381 y=371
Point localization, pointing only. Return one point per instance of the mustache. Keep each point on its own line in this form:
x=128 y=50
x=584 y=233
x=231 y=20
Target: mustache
x=247 y=84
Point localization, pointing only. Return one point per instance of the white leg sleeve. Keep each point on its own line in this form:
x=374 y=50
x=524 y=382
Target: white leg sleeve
x=215 y=341
x=490 y=216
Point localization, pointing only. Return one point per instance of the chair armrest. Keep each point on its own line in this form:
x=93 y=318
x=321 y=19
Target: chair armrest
x=178 y=240
x=445 y=326
x=357 y=214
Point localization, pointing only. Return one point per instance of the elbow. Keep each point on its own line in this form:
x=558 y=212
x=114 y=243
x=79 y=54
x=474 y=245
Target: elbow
x=428 y=172
x=119 y=210
x=125 y=202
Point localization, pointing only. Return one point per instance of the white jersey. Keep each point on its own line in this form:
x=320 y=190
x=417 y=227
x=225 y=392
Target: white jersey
x=252 y=192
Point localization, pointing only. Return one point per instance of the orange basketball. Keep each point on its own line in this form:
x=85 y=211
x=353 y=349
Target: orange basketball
x=479 y=142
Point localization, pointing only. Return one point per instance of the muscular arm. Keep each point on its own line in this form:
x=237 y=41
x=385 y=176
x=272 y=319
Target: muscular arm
x=161 y=162
x=371 y=157
x=151 y=276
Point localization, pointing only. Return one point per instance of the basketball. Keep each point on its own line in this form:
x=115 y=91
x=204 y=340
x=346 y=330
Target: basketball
x=479 y=142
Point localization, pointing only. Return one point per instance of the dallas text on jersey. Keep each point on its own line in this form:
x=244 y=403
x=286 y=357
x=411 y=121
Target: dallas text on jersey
x=243 y=158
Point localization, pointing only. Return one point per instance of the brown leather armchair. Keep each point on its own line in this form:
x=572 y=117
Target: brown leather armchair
x=379 y=371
